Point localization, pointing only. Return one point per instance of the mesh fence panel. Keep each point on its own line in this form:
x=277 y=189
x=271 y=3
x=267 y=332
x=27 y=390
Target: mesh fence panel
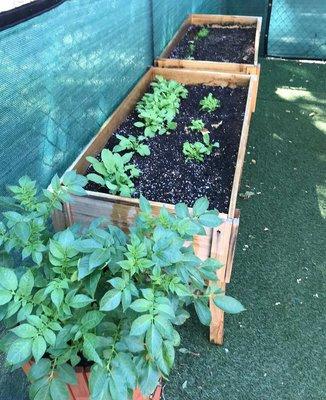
x=62 y=74
x=168 y=15
x=298 y=29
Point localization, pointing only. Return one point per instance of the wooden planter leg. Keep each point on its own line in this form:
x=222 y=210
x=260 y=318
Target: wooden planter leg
x=216 y=329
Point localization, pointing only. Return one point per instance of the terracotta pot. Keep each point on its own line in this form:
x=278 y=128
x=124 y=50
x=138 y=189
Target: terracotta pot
x=80 y=391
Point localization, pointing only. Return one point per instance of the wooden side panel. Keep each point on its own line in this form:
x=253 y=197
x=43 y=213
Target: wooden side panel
x=202 y=19
x=242 y=148
x=222 y=249
x=232 y=245
x=80 y=391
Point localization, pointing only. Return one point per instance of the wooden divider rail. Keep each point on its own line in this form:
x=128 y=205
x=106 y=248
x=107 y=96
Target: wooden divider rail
x=163 y=61
x=122 y=211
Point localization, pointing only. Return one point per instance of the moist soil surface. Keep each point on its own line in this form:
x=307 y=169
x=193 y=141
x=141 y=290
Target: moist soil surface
x=223 y=43
x=166 y=176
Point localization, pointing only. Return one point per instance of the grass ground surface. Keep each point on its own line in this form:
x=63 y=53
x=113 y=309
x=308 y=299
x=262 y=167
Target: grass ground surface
x=274 y=350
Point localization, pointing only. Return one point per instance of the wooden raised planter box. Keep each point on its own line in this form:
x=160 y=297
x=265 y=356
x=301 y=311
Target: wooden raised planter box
x=165 y=60
x=81 y=391
x=218 y=243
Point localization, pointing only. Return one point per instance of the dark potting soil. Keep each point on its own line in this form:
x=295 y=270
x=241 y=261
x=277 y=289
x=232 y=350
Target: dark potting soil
x=166 y=176
x=223 y=43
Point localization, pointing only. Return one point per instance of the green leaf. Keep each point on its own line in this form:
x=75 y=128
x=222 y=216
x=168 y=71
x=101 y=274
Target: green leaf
x=26 y=283
x=203 y=312
x=99 y=257
x=42 y=392
x=23 y=231
x=38 y=348
x=96 y=178
x=228 y=304
x=39 y=369
x=210 y=219
x=8 y=279
x=91 y=319
x=67 y=374
x=140 y=325
x=125 y=364
x=181 y=210
x=90 y=352
x=201 y=205
x=49 y=336
x=5 y=296
x=139 y=124
x=117 y=283
x=141 y=305
x=25 y=331
x=153 y=340
x=59 y=390
x=19 y=351
x=164 y=326
x=149 y=379
x=98 y=383
x=57 y=297
x=144 y=204
x=80 y=301
x=110 y=300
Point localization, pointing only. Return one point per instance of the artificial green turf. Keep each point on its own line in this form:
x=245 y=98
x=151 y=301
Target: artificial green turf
x=274 y=350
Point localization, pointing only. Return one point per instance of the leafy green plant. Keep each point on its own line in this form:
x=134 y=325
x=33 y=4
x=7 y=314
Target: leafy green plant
x=197 y=125
x=132 y=144
x=102 y=296
x=209 y=103
x=158 y=108
x=198 y=150
x=203 y=33
x=115 y=172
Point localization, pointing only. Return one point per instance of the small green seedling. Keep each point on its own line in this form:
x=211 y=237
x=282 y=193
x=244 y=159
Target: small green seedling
x=204 y=32
x=114 y=172
x=197 y=125
x=157 y=109
x=132 y=144
x=198 y=150
x=209 y=103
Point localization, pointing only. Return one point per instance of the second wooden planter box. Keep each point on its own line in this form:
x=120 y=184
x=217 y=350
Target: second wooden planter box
x=165 y=60
x=218 y=243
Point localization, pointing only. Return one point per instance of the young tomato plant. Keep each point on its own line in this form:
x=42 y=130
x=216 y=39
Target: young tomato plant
x=198 y=150
x=132 y=144
x=158 y=108
x=197 y=125
x=100 y=297
x=115 y=172
x=209 y=103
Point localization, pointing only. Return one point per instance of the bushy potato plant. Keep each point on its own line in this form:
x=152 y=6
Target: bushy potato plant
x=98 y=296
